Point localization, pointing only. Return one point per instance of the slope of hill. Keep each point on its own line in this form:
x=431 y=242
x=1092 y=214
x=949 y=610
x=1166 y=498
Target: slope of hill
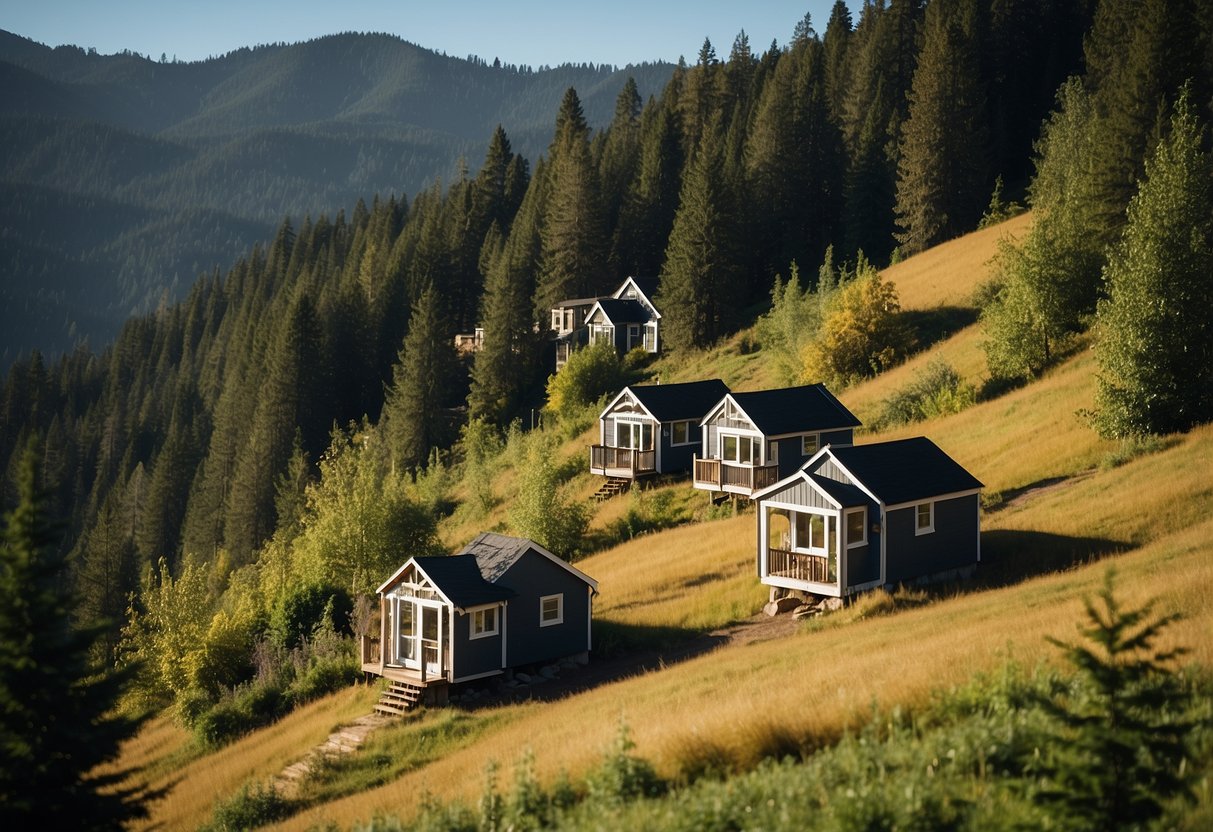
x=248 y=138
x=1059 y=510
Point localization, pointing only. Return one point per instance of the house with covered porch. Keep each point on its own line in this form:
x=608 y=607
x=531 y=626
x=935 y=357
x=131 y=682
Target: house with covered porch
x=499 y=603
x=626 y=318
x=752 y=440
x=855 y=518
x=651 y=429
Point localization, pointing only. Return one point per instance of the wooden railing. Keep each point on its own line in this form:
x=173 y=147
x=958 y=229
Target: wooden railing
x=718 y=474
x=369 y=650
x=799 y=566
x=620 y=461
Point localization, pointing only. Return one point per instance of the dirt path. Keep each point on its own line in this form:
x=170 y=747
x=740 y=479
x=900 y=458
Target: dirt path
x=345 y=740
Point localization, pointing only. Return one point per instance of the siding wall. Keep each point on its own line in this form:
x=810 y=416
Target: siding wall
x=472 y=657
x=863 y=562
x=830 y=470
x=838 y=437
x=953 y=544
x=677 y=458
x=532 y=577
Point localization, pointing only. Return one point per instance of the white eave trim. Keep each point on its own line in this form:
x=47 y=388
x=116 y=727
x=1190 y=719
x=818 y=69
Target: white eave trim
x=647 y=300
x=934 y=498
x=606 y=411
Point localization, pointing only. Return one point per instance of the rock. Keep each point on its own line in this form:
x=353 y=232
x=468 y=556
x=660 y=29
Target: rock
x=551 y=671
x=806 y=611
x=831 y=604
x=781 y=605
x=524 y=678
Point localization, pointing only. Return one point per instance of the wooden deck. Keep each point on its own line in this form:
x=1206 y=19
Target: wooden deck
x=717 y=475
x=621 y=462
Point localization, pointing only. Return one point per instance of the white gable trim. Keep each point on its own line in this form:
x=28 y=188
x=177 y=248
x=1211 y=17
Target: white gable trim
x=392 y=581
x=715 y=411
x=623 y=287
x=627 y=391
x=778 y=486
x=854 y=479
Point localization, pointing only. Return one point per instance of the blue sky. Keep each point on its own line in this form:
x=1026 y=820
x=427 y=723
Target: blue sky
x=534 y=32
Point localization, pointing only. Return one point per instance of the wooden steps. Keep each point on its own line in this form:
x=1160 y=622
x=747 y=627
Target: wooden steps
x=612 y=487
x=398 y=698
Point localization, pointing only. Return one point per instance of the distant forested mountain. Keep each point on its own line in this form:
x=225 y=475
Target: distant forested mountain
x=123 y=178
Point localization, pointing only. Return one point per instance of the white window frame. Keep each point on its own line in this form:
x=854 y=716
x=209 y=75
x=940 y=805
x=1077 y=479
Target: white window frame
x=919 y=529
x=755 y=447
x=805 y=450
x=476 y=628
x=863 y=526
x=806 y=546
x=688 y=441
x=559 y=619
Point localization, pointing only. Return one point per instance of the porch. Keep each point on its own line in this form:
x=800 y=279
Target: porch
x=735 y=478
x=621 y=462
x=372 y=661
x=799 y=566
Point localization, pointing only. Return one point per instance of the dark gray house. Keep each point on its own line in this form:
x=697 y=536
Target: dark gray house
x=626 y=318
x=859 y=517
x=752 y=440
x=501 y=602
x=653 y=429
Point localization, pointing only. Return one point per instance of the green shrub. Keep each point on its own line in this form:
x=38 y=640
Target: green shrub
x=623 y=776
x=587 y=376
x=937 y=390
x=302 y=608
x=251 y=807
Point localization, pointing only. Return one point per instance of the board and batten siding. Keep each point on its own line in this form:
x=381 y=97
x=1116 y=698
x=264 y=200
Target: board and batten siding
x=830 y=470
x=475 y=656
x=953 y=544
x=534 y=577
x=800 y=493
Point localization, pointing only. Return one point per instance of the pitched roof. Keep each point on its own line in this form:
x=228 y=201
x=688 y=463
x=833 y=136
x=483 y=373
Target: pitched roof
x=846 y=494
x=671 y=402
x=904 y=470
x=459 y=578
x=496 y=553
x=795 y=410
x=624 y=311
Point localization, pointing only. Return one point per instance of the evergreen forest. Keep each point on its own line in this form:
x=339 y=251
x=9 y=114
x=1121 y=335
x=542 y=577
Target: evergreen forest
x=275 y=439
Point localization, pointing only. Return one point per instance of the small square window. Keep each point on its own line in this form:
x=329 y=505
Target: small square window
x=551 y=610
x=808 y=444
x=680 y=433
x=924 y=518
x=484 y=623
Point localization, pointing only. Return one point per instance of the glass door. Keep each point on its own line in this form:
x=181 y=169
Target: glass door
x=431 y=639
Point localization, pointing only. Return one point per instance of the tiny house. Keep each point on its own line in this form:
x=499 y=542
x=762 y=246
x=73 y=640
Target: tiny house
x=752 y=440
x=499 y=603
x=626 y=318
x=855 y=518
x=653 y=428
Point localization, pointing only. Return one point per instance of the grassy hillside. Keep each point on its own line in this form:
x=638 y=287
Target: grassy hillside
x=1061 y=506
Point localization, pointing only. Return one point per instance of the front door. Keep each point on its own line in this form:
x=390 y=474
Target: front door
x=420 y=634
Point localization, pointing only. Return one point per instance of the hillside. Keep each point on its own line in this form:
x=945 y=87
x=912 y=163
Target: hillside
x=1055 y=519
x=124 y=179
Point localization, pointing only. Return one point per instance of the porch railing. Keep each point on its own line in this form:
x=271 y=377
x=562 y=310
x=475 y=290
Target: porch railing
x=369 y=650
x=621 y=461
x=717 y=474
x=799 y=566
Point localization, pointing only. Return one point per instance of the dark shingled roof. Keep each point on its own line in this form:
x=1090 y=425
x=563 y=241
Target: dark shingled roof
x=905 y=470
x=795 y=410
x=846 y=494
x=624 y=311
x=672 y=402
x=460 y=579
x=495 y=553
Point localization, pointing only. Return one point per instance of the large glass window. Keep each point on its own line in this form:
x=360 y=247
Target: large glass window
x=634 y=435
x=811 y=531
x=741 y=449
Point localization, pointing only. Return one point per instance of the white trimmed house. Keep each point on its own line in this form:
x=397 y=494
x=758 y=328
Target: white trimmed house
x=626 y=318
x=500 y=603
x=861 y=517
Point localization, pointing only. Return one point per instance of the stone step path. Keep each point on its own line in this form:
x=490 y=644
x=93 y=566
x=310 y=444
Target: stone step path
x=345 y=740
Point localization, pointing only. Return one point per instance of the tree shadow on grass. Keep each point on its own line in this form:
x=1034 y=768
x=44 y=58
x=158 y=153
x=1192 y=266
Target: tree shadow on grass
x=1009 y=557
x=930 y=326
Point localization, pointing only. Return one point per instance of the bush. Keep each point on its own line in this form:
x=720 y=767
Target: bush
x=251 y=807
x=589 y=374
x=936 y=391
x=301 y=609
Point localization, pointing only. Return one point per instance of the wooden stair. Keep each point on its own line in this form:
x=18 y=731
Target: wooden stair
x=398 y=698
x=612 y=487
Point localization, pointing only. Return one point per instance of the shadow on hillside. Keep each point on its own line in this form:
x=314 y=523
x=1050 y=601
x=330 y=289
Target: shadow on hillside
x=1008 y=557
x=930 y=326
x=620 y=651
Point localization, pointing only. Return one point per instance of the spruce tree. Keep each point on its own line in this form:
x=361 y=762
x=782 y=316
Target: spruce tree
x=57 y=719
x=699 y=285
x=414 y=414
x=941 y=177
x=1155 y=346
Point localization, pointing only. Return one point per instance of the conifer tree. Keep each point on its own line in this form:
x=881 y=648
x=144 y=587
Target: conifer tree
x=699 y=284
x=574 y=249
x=1155 y=347
x=414 y=414
x=648 y=211
x=57 y=719
x=942 y=182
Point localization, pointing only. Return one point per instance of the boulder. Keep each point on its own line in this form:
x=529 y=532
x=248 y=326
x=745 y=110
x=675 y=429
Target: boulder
x=781 y=605
x=806 y=611
x=524 y=678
